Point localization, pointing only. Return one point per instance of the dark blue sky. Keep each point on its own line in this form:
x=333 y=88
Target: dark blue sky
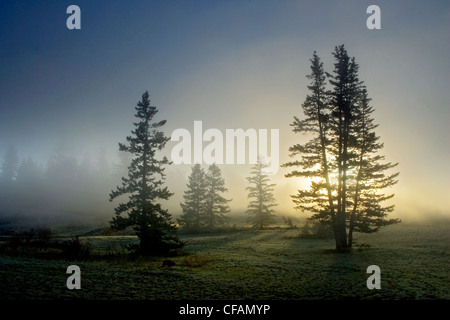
x=232 y=64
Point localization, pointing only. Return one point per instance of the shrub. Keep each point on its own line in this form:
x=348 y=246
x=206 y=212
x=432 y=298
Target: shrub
x=75 y=249
x=316 y=230
x=360 y=246
x=44 y=235
x=288 y=222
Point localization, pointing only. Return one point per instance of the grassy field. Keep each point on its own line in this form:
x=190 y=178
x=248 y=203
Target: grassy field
x=248 y=264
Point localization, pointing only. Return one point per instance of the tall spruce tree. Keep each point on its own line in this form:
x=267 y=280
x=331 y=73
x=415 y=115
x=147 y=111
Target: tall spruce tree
x=144 y=186
x=315 y=161
x=261 y=208
x=194 y=200
x=341 y=156
x=367 y=214
x=216 y=205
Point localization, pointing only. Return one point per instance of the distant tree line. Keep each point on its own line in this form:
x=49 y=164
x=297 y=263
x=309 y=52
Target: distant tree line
x=62 y=185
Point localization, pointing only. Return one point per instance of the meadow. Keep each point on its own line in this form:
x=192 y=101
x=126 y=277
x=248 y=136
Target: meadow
x=272 y=264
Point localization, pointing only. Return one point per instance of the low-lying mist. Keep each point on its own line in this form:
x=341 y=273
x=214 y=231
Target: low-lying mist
x=61 y=189
x=66 y=189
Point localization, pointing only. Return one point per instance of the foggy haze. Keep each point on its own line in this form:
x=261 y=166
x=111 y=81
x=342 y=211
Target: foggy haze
x=67 y=97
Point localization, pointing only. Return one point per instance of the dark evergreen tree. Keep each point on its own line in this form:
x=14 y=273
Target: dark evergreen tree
x=342 y=154
x=144 y=186
x=194 y=200
x=216 y=204
x=344 y=98
x=261 y=208
x=367 y=213
x=315 y=160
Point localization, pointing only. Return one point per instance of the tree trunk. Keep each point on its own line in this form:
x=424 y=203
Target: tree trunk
x=340 y=234
x=145 y=247
x=350 y=236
